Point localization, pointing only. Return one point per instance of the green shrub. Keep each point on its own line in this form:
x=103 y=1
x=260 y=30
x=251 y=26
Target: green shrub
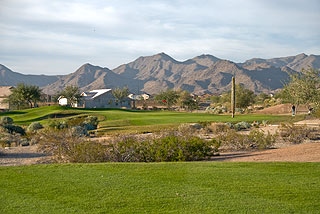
x=14 y=129
x=242 y=126
x=91 y=122
x=75 y=121
x=57 y=124
x=34 y=127
x=8 y=139
x=167 y=147
x=6 y=121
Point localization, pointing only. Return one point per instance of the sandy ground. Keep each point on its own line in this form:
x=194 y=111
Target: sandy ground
x=22 y=155
x=305 y=152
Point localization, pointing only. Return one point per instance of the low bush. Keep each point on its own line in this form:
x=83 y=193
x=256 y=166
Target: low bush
x=57 y=124
x=260 y=140
x=256 y=139
x=8 y=139
x=295 y=133
x=67 y=146
x=87 y=123
x=14 y=129
x=167 y=147
x=6 y=121
x=34 y=127
x=242 y=126
x=219 y=127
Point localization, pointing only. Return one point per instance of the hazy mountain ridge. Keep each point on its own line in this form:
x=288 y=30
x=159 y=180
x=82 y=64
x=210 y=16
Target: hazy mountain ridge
x=153 y=74
x=9 y=78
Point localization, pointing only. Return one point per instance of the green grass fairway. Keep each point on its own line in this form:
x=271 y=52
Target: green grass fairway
x=137 y=121
x=194 y=187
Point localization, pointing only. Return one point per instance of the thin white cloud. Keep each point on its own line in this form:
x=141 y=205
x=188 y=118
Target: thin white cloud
x=110 y=33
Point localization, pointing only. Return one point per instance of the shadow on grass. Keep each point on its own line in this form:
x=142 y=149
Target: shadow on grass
x=22 y=155
x=232 y=155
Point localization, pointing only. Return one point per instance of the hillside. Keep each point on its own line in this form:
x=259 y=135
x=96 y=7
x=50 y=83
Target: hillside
x=152 y=74
x=9 y=78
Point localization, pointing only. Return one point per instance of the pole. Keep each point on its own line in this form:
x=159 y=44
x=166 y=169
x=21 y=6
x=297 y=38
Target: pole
x=233 y=97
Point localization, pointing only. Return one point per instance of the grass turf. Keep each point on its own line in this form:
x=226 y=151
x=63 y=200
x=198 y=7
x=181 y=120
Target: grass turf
x=193 y=187
x=115 y=120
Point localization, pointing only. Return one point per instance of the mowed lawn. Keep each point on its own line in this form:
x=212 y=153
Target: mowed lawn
x=181 y=187
x=115 y=120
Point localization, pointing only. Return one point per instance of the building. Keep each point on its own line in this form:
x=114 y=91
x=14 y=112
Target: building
x=63 y=101
x=5 y=92
x=102 y=98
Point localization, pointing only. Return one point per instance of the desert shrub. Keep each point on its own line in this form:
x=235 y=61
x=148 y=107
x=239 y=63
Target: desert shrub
x=239 y=126
x=230 y=125
x=91 y=122
x=187 y=128
x=14 y=129
x=75 y=121
x=168 y=147
x=242 y=125
x=219 y=127
x=317 y=112
x=295 y=134
x=260 y=140
x=34 y=127
x=86 y=152
x=234 y=141
x=67 y=146
x=10 y=133
x=57 y=124
x=126 y=148
x=6 y=121
x=79 y=131
x=8 y=139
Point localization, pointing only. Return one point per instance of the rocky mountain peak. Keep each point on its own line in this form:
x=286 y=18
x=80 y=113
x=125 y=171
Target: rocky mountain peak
x=151 y=74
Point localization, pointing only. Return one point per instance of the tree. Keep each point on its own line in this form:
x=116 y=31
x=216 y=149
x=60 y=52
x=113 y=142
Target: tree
x=24 y=94
x=303 y=88
x=120 y=94
x=261 y=98
x=169 y=98
x=72 y=93
x=244 y=96
x=188 y=101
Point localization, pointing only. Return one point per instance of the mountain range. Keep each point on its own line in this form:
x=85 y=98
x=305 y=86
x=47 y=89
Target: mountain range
x=156 y=73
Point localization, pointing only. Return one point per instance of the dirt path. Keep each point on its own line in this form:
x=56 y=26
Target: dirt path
x=306 y=152
x=23 y=155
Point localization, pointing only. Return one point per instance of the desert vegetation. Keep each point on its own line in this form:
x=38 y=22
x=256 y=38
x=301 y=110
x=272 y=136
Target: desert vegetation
x=73 y=135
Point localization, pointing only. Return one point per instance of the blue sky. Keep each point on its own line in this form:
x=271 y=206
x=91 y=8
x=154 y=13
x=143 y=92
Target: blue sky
x=58 y=36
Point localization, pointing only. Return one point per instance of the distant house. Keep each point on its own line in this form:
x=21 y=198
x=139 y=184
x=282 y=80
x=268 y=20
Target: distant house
x=63 y=101
x=5 y=92
x=102 y=98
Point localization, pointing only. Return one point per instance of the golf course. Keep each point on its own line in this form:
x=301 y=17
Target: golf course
x=160 y=187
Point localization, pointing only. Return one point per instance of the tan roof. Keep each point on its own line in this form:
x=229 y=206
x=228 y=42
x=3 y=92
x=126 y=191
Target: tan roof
x=5 y=91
